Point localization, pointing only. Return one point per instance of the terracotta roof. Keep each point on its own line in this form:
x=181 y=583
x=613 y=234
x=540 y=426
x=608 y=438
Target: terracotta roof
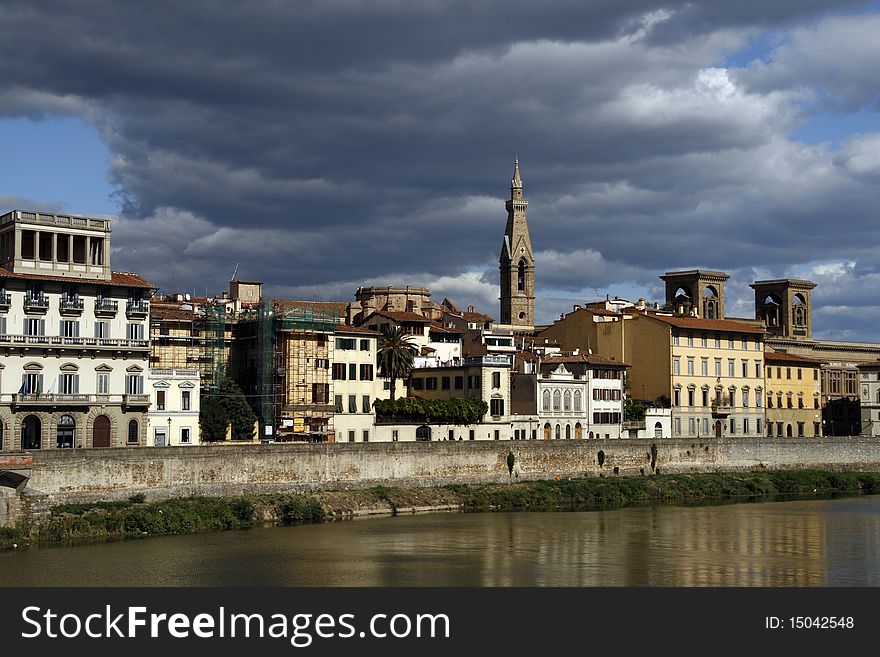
x=339 y=307
x=707 y=324
x=439 y=328
x=165 y=311
x=400 y=316
x=782 y=357
x=475 y=316
x=119 y=278
x=360 y=330
x=591 y=359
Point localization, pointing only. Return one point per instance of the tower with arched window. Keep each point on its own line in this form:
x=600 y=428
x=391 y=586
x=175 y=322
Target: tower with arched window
x=696 y=293
x=786 y=306
x=517 y=262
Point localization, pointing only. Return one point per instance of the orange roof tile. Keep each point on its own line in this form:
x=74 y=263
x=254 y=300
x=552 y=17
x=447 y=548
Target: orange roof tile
x=360 y=330
x=782 y=357
x=119 y=278
x=707 y=324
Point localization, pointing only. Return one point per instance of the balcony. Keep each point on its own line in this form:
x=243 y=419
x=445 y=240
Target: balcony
x=5 y=300
x=106 y=307
x=59 y=341
x=137 y=309
x=721 y=410
x=135 y=400
x=36 y=303
x=71 y=306
x=51 y=400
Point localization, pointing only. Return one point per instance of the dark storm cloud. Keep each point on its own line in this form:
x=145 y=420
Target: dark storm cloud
x=372 y=141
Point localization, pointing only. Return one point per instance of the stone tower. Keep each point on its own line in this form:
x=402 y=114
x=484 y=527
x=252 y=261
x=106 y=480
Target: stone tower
x=786 y=306
x=696 y=292
x=517 y=262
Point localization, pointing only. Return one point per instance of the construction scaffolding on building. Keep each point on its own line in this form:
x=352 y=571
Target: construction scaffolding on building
x=294 y=350
x=215 y=346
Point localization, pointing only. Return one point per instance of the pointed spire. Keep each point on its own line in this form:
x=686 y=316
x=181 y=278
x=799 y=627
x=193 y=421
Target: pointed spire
x=516 y=183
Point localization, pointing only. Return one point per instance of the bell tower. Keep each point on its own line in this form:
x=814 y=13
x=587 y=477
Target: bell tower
x=517 y=262
x=786 y=306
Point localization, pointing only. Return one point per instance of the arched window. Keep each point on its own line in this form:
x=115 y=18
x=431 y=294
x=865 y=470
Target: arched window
x=423 y=433
x=557 y=432
x=133 y=433
x=578 y=431
x=591 y=435
x=557 y=399
x=65 y=432
x=578 y=403
x=521 y=276
x=547 y=431
x=566 y=401
x=658 y=430
x=788 y=431
x=545 y=400
x=568 y=432
x=31 y=432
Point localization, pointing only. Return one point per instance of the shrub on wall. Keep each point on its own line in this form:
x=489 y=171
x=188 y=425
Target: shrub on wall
x=445 y=411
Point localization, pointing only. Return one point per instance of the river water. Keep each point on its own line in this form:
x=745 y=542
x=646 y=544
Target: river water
x=793 y=543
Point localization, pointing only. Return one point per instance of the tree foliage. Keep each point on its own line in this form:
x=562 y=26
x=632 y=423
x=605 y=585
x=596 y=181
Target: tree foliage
x=213 y=420
x=227 y=407
x=396 y=355
x=445 y=411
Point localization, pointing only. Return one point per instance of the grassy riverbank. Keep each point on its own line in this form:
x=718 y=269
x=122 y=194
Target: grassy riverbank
x=136 y=517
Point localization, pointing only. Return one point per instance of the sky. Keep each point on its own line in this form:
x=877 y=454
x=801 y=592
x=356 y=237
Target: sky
x=320 y=146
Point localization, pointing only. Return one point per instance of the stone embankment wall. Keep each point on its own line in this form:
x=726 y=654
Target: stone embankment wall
x=80 y=475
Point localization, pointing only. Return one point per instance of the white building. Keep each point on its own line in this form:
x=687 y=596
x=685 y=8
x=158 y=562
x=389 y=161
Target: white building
x=73 y=336
x=356 y=383
x=869 y=396
x=173 y=418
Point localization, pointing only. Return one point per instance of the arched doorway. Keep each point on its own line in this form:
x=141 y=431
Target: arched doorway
x=658 y=430
x=578 y=431
x=788 y=431
x=65 y=432
x=568 y=432
x=31 y=430
x=557 y=432
x=101 y=432
x=591 y=435
x=423 y=433
x=718 y=428
x=547 y=431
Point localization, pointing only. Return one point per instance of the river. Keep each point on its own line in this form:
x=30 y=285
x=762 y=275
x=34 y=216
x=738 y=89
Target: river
x=794 y=543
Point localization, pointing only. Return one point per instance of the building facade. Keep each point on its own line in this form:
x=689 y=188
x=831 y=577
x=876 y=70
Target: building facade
x=794 y=396
x=517 y=261
x=356 y=383
x=869 y=374
x=173 y=419
x=73 y=334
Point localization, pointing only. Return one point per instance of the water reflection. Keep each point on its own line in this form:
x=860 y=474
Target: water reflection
x=803 y=543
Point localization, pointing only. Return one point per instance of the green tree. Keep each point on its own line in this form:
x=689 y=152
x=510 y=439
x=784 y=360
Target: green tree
x=396 y=355
x=238 y=412
x=213 y=419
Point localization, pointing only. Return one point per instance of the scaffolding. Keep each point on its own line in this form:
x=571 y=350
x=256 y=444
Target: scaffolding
x=215 y=345
x=293 y=370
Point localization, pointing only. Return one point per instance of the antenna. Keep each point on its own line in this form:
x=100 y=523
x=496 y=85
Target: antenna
x=235 y=271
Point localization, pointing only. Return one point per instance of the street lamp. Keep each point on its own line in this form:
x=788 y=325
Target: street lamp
x=169 y=433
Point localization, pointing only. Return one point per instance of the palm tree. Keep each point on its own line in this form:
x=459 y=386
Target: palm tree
x=397 y=353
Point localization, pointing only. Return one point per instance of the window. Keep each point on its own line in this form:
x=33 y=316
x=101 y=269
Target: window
x=339 y=371
x=578 y=403
x=757 y=369
x=102 y=330
x=778 y=372
x=471 y=434
x=705 y=426
x=351 y=436
x=799 y=374
x=134 y=331
x=445 y=383
x=557 y=400
x=496 y=407
x=692 y=426
x=185 y=400
x=2 y=323
x=459 y=383
x=418 y=384
x=366 y=406
x=366 y=372
x=677 y=425
x=676 y=366
x=717 y=341
x=745 y=398
x=69 y=328
x=745 y=369
x=34 y=327
x=365 y=345
x=352 y=404
x=675 y=339
x=394 y=436
x=496 y=379
x=704 y=367
x=31 y=383
x=745 y=343
x=703 y=341
x=759 y=397
x=133 y=432
x=366 y=435
x=690 y=366
x=160 y=400
x=104 y=384
x=431 y=383
x=134 y=384
x=730 y=343
x=566 y=401
x=68 y=384
x=352 y=371
x=705 y=397
x=545 y=400
x=690 y=339
x=676 y=397
x=320 y=393
x=800 y=426
x=787 y=372
x=339 y=403
x=759 y=429
x=717 y=367
x=184 y=435
x=730 y=368
x=800 y=402
x=690 y=397
x=346 y=344
x=816 y=431
x=745 y=425
x=732 y=426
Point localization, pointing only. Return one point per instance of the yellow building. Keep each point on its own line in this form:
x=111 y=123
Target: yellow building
x=794 y=395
